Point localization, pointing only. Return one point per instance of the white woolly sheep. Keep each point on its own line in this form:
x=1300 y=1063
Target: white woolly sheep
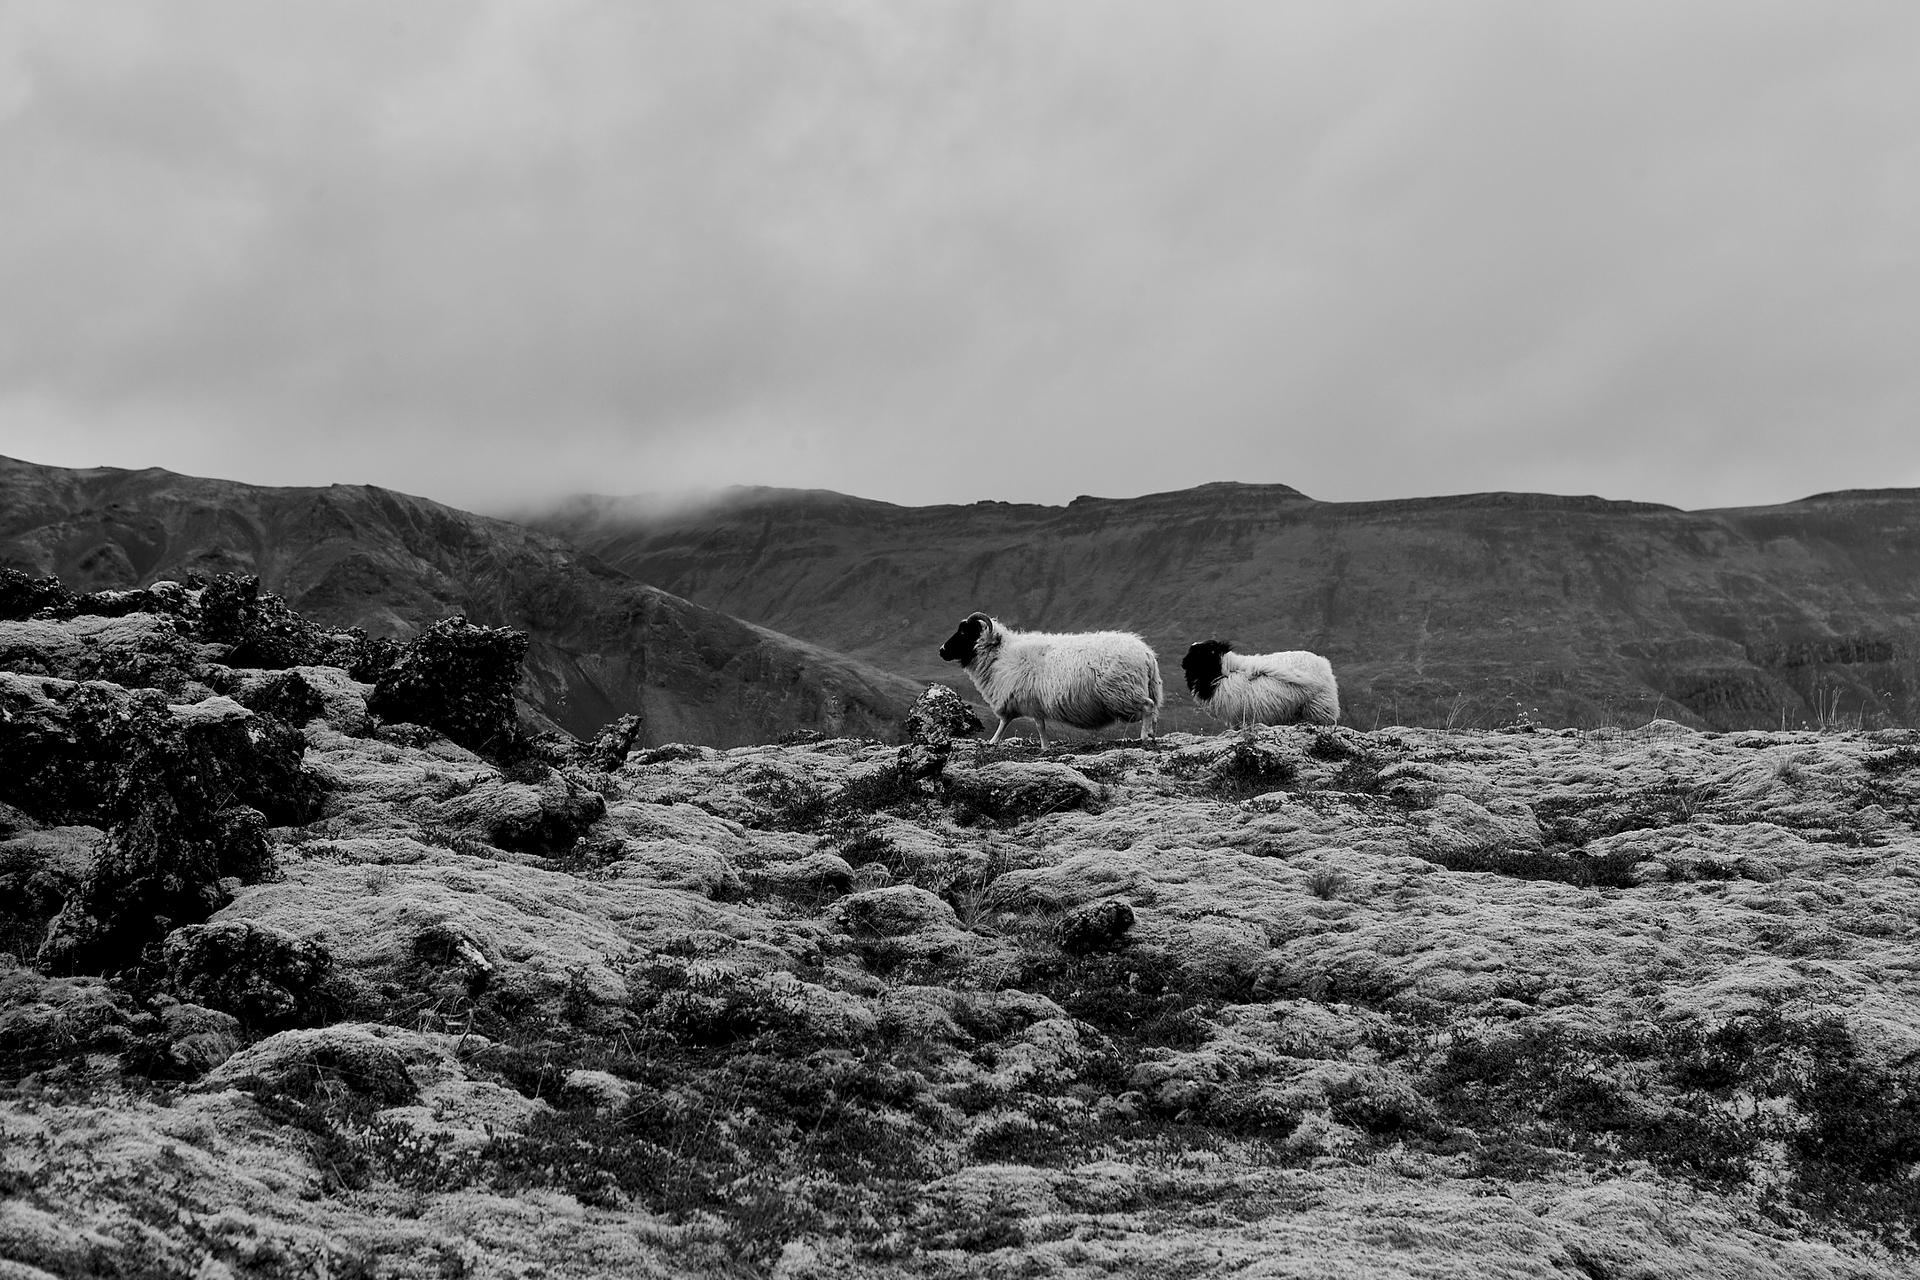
x=1085 y=679
x=1241 y=689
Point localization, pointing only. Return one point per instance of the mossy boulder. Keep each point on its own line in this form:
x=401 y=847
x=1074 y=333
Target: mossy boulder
x=940 y=715
x=267 y=978
x=1013 y=791
x=457 y=678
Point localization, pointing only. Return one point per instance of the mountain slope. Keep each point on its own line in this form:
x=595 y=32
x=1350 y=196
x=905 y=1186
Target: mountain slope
x=602 y=644
x=1479 y=608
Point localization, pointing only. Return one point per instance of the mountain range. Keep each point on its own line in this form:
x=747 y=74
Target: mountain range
x=767 y=611
x=1476 y=609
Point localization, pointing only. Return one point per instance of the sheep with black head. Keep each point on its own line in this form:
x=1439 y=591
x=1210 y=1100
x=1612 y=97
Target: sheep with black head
x=1088 y=679
x=1241 y=689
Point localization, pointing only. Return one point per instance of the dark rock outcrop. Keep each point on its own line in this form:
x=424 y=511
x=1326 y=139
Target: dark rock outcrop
x=458 y=678
x=1095 y=928
x=265 y=977
x=186 y=794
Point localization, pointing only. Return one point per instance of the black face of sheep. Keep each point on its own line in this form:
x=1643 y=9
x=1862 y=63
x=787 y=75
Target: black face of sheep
x=963 y=644
x=1202 y=665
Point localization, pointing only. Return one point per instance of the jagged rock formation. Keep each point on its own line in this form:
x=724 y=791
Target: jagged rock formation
x=1480 y=610
x=1300 y=1001
x=601 y=644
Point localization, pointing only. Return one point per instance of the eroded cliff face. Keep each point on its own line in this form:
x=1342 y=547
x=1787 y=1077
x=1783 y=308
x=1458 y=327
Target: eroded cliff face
x=1286 y=1002
x=601 y=644
x=1475 y=610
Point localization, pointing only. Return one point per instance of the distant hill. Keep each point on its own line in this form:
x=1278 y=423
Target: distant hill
x=602 y=643
x=1474 y=609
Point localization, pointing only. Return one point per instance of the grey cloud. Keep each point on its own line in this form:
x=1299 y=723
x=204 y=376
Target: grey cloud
x=490 y=251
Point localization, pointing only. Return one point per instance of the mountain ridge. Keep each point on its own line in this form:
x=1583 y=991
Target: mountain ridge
x=1500 y=606
x=602 y=643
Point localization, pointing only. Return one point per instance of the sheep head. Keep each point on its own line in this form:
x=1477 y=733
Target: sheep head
x=964 y=644
x=1202 y=665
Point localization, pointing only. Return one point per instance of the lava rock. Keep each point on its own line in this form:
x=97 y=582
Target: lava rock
x=284 y=695
x=1095 y=928
x=458 y=678
x=615 y=742
x=263 y=976
x=893 y=911
x=940 y=715
x=1012 y=792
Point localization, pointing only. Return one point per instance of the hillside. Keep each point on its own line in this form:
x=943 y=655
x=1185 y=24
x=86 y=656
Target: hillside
x=602 y=644
x=1298 y=1002
x=1480 y=609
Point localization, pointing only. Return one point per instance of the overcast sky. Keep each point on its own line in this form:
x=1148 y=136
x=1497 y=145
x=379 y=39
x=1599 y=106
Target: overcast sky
x=938 y=252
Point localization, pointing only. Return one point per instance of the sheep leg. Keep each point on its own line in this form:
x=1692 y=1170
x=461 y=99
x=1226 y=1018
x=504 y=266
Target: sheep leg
x=1044 y=744
x=998 y=729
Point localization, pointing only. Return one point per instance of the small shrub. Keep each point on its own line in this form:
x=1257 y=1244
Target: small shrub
x=786 y=804
x=455 y=839
x=1358 y=1103
x=884 y=789
x=1330 y=745
x=1850 y=1129
x=1578 y=819
x=709 y=1006
x=1897 y=760
x=1138 y=997
x=1359 y=774
x=1251 y=768
x=1326 y=883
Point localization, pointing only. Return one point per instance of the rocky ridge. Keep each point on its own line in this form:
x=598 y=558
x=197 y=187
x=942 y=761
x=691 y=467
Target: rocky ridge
x=1288 y=1002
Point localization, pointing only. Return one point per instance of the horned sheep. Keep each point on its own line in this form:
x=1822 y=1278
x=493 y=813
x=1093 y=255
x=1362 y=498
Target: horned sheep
x=1088 y=680
x=1240 y=689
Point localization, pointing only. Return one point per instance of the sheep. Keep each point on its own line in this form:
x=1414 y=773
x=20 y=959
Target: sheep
x=1241 y=689
x=1086 y=679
